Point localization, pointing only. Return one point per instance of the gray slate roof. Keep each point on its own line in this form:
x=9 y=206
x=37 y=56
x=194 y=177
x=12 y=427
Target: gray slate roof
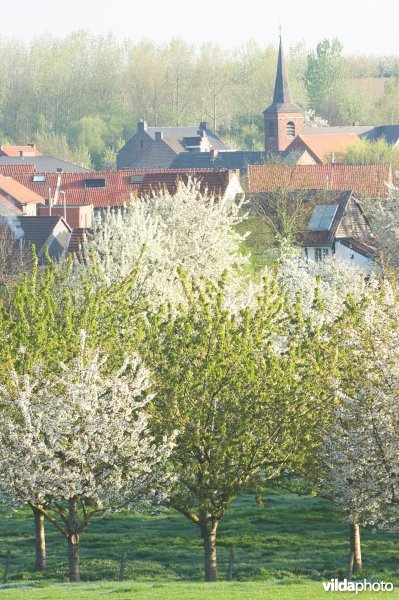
x=357 y=129
x=43 y=164
x=173 y=136
x=37 y=231
x=231 y=159
x=389 y=132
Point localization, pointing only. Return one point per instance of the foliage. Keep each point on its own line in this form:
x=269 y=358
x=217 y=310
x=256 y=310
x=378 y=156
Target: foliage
x=361 y=449
x=384 y=215
x=231 y=383
x=42 y=319
x=163 y=233
x=57 y=145
x=81 y=434
x=325 y=68
x=75 y=444
x=15 y=257
x=65 y=87
x=370 y=152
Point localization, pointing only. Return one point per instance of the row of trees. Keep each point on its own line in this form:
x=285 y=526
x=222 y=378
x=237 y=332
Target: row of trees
x=81 y=96
x=154 y=370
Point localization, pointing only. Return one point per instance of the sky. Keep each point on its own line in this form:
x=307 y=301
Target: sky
x=364 y=26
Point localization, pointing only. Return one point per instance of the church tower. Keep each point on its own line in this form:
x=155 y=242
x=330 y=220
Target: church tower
x=283 y=120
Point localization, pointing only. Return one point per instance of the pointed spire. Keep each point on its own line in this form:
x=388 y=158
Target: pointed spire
x=282 y=101
x=282 y=94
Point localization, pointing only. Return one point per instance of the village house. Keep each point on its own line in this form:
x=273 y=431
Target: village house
x=17 y=199
x=20 y=151
x=157 y=147
x=337 y=226
x=51 y=234
x=102 y=189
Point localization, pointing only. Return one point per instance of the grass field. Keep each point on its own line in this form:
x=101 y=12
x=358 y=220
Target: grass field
x=183 y=591
x=290 y=545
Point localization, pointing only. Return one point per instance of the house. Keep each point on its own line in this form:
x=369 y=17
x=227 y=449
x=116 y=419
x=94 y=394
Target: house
x=20 y=151
x=117 y=188
x=284 y=121
x=157 y=147
x=51 y=233
x=323 y=147
x=324 y=223
x=366 y=181
x=337 y=226
x=42 y=164
x=17 y=199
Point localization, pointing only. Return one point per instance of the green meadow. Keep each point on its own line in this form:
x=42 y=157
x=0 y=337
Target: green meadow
x=284 y=549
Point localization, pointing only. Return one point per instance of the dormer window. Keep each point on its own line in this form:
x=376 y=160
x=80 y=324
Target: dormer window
x=290 y=130
x=95 y=183
x=271 y=130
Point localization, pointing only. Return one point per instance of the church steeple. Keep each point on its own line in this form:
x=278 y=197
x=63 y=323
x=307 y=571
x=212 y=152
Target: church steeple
x=282 y=94
x=283 y=120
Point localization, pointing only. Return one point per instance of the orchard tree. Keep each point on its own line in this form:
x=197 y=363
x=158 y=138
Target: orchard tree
x=40 y=320
x=384 y=215
x=361 y=457
x=76 y=443
x=163 y=233
x=243 y=389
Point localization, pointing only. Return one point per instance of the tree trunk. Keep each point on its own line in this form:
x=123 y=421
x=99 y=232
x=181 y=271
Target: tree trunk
x=355 y=548
x=73 y=541
x=40 y=545
x=208 y=527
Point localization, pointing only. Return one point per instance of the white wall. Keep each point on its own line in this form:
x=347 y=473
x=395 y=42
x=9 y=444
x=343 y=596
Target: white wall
x=353 y=257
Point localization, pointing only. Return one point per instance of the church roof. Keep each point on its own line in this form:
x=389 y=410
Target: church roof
x=282 y=101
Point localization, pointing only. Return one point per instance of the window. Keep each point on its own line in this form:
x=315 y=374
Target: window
x=39 y=178
x=95 y=183
x=320 y=253
x=136 y=178
x=290 y=130
x=271 y=130
x=322 y=217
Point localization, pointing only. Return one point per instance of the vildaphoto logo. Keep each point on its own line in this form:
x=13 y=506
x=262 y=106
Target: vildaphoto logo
x=334 y=585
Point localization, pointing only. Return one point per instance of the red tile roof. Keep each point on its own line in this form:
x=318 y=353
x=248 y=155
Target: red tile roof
x=16 y=150
x=322 y=146
x=365 y=180
x=119 y=186
x=23 y=194
x=14 y=169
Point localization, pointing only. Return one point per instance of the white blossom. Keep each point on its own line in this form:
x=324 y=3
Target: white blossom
x=82 y=434
x=160 y=234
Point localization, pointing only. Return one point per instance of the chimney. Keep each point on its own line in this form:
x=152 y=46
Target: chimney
x=158 y=136
x=21 y=153
x=202 y=125
x=213 y=153
x=142 y=126
x=32 y=145
x=201 y=133
x=59 y=169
